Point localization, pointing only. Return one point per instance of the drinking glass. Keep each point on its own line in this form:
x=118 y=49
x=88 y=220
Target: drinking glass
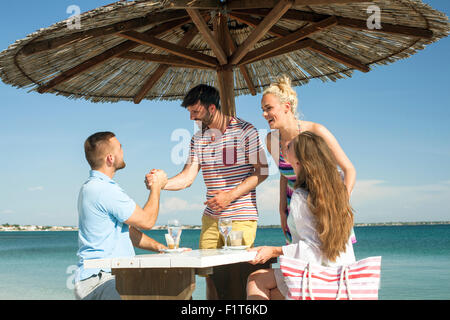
x=225 y=227
x=236 y=238
x=174 y=229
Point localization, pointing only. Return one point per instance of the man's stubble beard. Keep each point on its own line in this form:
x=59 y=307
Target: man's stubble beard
x=206 y=121
x=121 y=166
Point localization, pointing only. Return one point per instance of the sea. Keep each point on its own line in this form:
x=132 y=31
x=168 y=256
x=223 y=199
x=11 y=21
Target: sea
x=415 y=261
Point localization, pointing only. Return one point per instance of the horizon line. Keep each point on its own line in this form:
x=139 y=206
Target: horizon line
x=159 y=227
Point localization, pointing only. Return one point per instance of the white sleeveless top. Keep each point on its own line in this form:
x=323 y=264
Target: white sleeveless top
x=305 y=240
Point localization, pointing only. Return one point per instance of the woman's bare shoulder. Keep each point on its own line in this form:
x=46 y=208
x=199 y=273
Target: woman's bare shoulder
x=313 y=127
x=306 y=125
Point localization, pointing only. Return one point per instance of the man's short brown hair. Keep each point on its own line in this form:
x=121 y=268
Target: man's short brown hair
x=94 y=148
x=203 y=93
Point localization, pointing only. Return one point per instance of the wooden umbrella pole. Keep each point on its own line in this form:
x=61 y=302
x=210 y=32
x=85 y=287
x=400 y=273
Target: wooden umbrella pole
x=225 y=79
x=225 y=73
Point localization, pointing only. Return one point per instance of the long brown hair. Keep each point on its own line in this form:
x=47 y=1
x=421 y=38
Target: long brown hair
x=328 y=199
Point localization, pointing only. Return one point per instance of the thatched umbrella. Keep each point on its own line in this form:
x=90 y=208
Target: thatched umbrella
x=144 y=49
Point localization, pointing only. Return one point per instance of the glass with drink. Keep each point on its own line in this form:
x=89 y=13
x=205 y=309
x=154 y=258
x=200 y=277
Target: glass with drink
x=174 y=229
x=236 y=238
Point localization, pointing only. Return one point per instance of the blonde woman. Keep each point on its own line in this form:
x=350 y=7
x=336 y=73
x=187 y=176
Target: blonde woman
x=279 y=106
x=320 y=219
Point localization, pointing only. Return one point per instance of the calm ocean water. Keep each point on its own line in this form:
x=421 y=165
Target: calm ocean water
x=415 y=265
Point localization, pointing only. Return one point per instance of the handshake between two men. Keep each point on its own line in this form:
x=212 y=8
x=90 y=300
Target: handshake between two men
x=156 y=179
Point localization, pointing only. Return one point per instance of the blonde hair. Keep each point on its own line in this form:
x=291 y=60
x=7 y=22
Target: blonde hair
x=328 y=199
x=283 y=90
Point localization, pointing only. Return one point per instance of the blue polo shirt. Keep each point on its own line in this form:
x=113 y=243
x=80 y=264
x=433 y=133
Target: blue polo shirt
x=102 y=209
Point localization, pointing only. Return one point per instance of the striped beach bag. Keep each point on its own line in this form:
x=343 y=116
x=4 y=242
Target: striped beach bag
x=357 y=281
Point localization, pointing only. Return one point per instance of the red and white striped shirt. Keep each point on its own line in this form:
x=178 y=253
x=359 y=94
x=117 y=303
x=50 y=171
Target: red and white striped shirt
x=226 y=161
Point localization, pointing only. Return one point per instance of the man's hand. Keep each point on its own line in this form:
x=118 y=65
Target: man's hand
x=156 y=179
x=148 y=180
x=221 y=200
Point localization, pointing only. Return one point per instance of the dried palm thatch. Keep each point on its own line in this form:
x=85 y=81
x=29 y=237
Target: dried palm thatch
x=143 y=49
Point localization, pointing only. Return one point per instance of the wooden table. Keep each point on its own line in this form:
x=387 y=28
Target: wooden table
x=172 y=276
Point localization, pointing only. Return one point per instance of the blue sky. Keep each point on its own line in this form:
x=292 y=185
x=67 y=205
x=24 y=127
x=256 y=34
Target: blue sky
x=391 y=122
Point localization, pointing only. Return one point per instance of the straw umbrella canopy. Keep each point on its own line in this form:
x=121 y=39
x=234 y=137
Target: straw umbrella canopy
x=144 y=50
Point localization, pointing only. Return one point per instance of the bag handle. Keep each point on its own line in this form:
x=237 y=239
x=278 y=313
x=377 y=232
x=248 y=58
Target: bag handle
x=306 y=282
x=344 y=276
x=306 y=272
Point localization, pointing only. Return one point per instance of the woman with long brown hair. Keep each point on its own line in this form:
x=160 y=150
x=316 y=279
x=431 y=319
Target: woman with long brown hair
x=320 y=219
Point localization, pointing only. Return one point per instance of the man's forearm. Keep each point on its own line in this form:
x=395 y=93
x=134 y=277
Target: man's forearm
x=152 y=205
x=248 y=184
x=261 y=172
x=142 y=241
x=177 y=183
x=185 y=178
x=150 y=244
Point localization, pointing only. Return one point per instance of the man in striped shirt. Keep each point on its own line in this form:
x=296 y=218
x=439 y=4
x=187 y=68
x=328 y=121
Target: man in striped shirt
x=230 y=154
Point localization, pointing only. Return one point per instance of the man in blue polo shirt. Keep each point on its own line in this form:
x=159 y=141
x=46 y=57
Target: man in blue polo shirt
x=109 y=220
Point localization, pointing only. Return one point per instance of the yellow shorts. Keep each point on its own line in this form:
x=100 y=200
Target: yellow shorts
x=210 y=237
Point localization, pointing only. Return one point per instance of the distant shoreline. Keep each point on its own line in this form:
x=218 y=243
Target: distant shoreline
x=31 y=228
x=384 y=224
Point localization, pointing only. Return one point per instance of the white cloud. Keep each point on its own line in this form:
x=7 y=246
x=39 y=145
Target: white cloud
x=380 y=201
x=174 y=204
x=7 y=211
x=38 y=188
